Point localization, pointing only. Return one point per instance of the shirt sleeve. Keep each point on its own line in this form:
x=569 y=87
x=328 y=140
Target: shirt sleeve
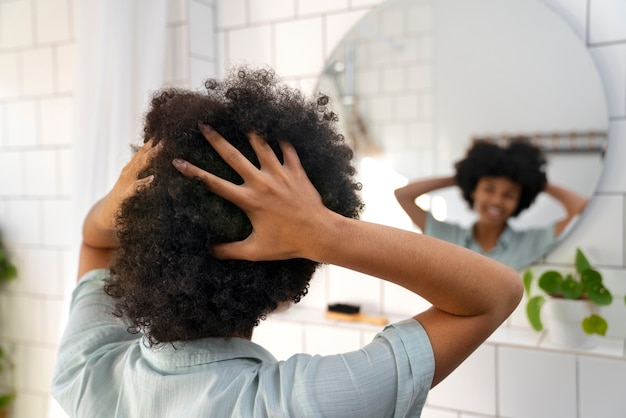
x=390 y=377
x=90 y=333
x=445 y=231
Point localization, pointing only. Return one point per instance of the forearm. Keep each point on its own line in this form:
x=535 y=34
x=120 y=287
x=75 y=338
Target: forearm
x=455 y=280
x=572 y=202
x=415 y=189
x=406 y=196
x=99 y=226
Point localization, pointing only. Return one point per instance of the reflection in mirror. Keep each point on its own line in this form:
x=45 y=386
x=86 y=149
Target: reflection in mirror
x=417 y=80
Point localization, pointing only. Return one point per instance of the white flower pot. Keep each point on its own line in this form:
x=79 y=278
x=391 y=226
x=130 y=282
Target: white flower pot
x=563 y=320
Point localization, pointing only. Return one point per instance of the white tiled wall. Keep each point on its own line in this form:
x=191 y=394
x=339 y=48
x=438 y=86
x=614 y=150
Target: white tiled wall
x=37 y=53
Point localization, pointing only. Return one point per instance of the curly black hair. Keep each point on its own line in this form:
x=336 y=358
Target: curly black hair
x=519 y=161
x=163 y=278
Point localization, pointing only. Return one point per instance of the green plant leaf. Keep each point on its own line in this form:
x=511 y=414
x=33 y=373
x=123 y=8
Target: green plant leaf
x=581 y=262
x=589 y=277
x=595 y=324
x=6 y=399
x=527 y=279
x=599 y=294
x=571 y=289
x=533 y=312
x=550 y=282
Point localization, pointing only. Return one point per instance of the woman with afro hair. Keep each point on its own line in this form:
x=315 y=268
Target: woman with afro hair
x=220 y=219
x=497 y=183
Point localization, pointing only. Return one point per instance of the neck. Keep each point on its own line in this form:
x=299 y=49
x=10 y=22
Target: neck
x=487 y=235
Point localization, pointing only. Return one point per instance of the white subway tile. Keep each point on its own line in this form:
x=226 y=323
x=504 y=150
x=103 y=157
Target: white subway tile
x=392 y=21
x=21 y=123
x=393 y=79
x=181 y=54
x=222 y=53
x=23 y=226
x=399 y=301
x=57 y=121
x=282 y=339
x=57 y=218
x=21 y=317
x=263 y=11
x=537 y=384
x=200 y=70
x=363 y=3
x=35 y=371
x=338 y=25
x=432 y=412
x=407 y=107
x=307 y=7
x=65 y=173
x=292 y=39
x=419 y=77
x=420 y=17
x=170 y=56
x=11 y=173
x=231 y=13
x=53 y=21
x=10 y=80
x=37 y=71
x=39 y=272
x=611 y=63
x=472 y=386
x=54 y=318
x=16 y=26
x=251 y=45
x=316 y=297
x=201 y=30
x=31 y=405
x=65 y=68
x=613 y=178
x=41 y=173
x=574 y=12
x=354 y=288
x=599 y=233
x=606 y=21
x=602 y=383
x=326 y=340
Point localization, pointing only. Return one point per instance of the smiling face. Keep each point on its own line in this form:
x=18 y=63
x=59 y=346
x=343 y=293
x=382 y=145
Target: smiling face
x=495 y=199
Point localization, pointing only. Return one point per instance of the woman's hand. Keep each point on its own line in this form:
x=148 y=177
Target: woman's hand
x=279 y=199
x=127 y=183
x=99 y=225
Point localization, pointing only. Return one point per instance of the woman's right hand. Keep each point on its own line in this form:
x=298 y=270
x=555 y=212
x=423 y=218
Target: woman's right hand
x=283 y=206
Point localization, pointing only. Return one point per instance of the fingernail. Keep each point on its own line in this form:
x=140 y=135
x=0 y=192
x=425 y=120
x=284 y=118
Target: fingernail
x=204 y=127
x=179 y=163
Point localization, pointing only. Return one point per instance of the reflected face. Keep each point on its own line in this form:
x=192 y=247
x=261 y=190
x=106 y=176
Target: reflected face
x=495 y=199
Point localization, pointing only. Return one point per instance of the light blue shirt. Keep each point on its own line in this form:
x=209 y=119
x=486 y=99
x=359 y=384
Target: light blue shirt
x=516 y=249
x=104 y=371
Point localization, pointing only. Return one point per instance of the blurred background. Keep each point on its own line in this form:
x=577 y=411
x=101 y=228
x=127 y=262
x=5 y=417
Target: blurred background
x=75 y=76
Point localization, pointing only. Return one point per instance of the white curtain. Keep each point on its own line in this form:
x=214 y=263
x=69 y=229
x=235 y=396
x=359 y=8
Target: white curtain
x=120 y=61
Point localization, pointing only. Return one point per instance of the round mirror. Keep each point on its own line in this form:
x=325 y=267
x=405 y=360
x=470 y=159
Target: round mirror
x=416 y=81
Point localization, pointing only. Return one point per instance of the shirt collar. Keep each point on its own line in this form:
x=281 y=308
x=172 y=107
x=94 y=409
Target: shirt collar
x=203 y=351
x=503 y=240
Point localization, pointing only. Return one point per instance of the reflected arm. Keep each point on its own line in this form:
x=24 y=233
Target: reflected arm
x=573 y=204
x=406 y=196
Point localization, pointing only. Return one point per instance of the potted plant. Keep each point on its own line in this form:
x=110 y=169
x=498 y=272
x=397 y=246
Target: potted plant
x=571 y=304
x=7 y=384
